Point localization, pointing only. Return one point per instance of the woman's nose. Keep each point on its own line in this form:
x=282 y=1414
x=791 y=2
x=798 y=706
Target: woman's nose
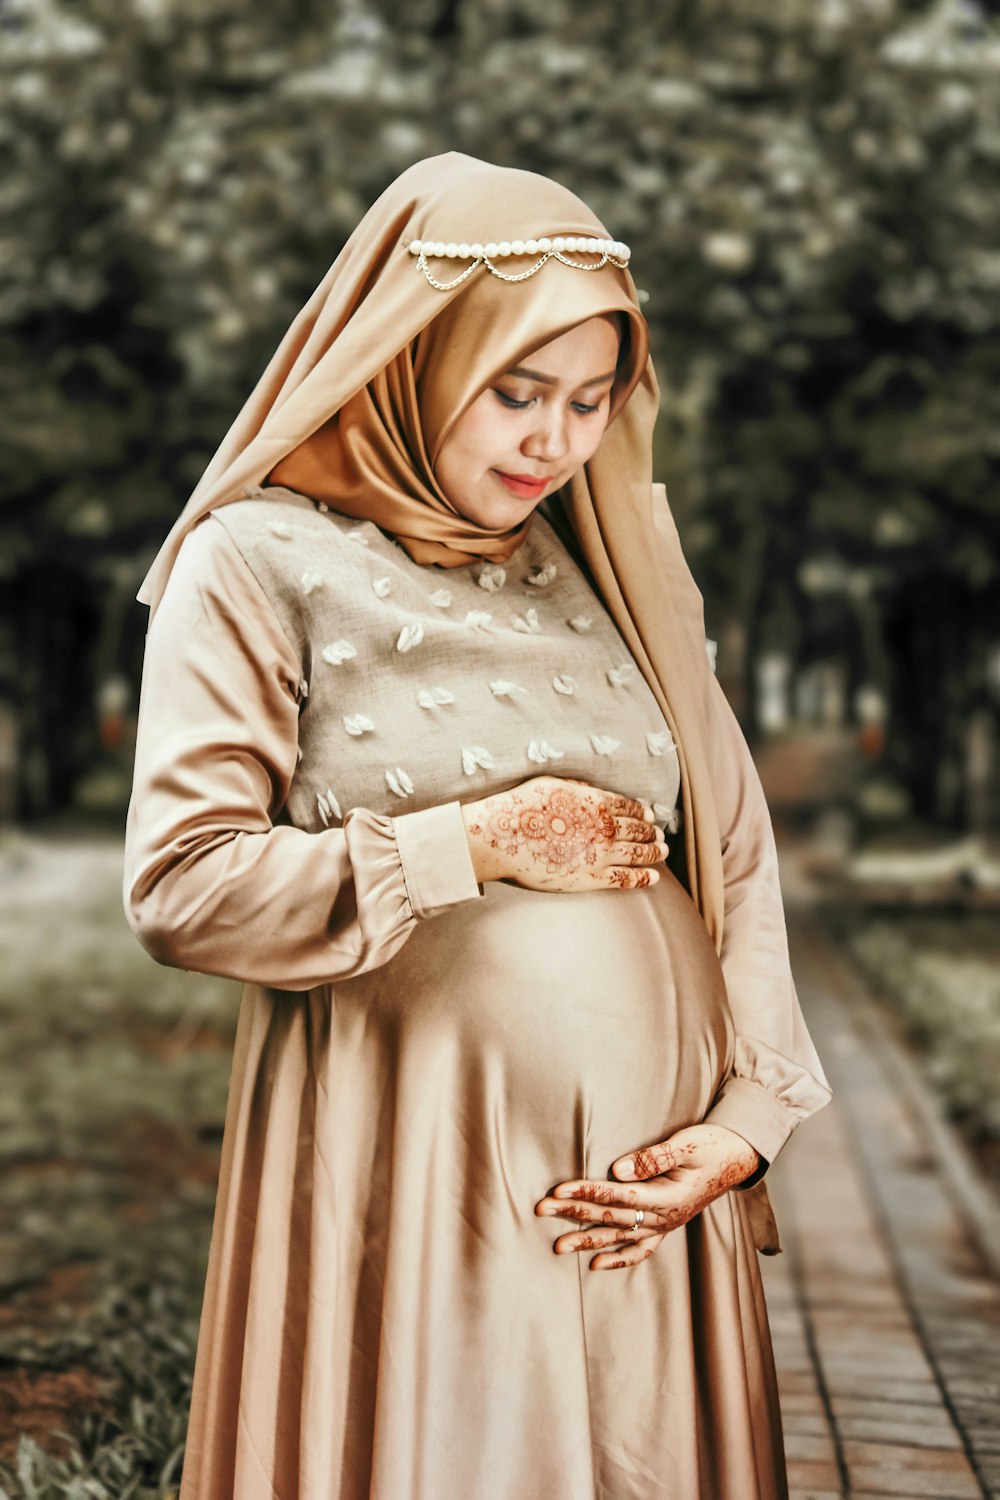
x=548 y=439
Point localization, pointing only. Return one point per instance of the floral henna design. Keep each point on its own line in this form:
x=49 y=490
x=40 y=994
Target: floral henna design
x=558 y=829
x=734 y=1170
x=624 y=878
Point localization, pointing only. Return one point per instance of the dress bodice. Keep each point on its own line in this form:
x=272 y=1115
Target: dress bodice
x=421 y=685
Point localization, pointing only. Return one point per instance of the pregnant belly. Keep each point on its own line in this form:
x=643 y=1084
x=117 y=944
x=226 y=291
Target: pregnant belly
x=603 y=1012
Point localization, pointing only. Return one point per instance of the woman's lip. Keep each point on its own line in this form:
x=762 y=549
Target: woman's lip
x=521 y=484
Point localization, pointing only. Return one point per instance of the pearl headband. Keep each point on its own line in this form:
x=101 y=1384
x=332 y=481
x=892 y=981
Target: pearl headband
x=613 y=251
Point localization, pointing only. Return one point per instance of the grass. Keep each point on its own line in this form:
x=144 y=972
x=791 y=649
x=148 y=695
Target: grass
x=112 y=1095
x=939 y=974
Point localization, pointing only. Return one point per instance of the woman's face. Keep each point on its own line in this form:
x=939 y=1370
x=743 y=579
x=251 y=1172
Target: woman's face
x=533 y=428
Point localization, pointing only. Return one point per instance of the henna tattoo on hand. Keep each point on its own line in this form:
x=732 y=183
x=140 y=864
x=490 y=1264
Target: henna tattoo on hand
x=556 y=828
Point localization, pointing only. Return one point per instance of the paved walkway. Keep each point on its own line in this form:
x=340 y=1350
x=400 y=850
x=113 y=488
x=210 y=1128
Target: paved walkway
x=885 y=1306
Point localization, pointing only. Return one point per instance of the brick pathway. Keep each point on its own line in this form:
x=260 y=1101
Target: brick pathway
x=885 y=1315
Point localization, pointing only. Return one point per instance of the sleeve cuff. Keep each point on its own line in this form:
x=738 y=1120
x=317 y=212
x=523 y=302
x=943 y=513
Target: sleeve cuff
x=436 y=859
x=748 y=1108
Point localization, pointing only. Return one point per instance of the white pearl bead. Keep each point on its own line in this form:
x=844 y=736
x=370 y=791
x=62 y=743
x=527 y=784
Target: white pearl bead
x=517 y=247
x=463 y=252
x=415 y=247
x=438 y=248
x=544 y=246
x=559 y=243
x=451 y=250
x=503 y=248
x=476 y=251
x=593 y=245
x=531 y=247
x=492 y=250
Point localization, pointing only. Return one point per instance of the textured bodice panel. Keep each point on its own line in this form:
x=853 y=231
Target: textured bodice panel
x=422 y=685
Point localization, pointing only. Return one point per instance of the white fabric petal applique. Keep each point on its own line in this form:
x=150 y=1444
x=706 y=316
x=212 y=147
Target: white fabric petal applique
x=506 y=689
x=441 y=598
x=311 y=580
x=660 y=743
x=357 y=723
x=328 y=806
x=357 y=534
x=338 y=651
x=411 y=635
x=479 y=619
x=540 y=577
x=712 y=648
x=604 y=744
x=433 y=697
x=619 y=676
x=564 y=684
x=668 y=816
x=280 y=529
x=303 y=689
x=582 y=623
x=321 y=506
x=528 y=623
x=399 y=782
x=474 y=757
x=491 y=577
x=540 y=751
x=381 y=586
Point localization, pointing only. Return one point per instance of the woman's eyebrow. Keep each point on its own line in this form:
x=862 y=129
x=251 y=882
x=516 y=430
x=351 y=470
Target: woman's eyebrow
x=550 y=380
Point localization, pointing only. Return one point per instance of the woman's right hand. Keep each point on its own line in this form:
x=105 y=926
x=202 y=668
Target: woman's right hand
x=555 y=834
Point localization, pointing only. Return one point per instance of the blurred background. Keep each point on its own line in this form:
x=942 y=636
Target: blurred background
x=809 y=190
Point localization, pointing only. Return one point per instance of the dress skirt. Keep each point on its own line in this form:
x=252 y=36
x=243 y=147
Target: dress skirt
x=384 y=1316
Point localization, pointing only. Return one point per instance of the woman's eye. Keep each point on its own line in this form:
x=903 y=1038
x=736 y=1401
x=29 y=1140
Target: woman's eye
x=511 y=401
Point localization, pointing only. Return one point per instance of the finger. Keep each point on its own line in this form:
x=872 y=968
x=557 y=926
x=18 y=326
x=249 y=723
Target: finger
x=601 y=1237
x=652 y=1161
x=595 y=1213
x=633 y=828
x=627 y=807
x=607 y=1194
x=636 y=854
x=628 y=877
x=624 y=1256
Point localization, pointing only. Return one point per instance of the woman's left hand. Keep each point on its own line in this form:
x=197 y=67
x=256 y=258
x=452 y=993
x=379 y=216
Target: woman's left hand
x=669 y=1183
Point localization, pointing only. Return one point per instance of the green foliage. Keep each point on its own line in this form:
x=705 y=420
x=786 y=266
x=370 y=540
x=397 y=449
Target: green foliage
x=941 y=977
x=807 y=187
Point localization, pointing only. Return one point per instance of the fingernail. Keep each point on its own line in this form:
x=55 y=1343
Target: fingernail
x=624 y=1168
x=648 y=815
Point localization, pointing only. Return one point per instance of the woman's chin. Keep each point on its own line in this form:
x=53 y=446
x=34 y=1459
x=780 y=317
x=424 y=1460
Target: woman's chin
x=501 y=513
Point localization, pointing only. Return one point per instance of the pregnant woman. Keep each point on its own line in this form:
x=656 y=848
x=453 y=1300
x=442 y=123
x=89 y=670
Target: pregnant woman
x=426 y=692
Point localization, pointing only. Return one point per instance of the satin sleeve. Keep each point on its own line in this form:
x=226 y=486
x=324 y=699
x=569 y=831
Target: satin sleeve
x=777 y=1079
x=211 y=883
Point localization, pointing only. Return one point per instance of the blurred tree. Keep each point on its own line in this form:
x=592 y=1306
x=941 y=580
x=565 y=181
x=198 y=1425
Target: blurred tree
x=807 y=186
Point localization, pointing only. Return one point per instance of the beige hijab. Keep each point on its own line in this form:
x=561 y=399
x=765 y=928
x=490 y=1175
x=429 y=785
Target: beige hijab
x=369 y=378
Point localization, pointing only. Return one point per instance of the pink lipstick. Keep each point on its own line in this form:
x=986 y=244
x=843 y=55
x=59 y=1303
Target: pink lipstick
x=524 y=485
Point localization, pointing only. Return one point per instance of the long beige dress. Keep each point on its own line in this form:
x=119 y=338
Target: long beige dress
x=420 y=1059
